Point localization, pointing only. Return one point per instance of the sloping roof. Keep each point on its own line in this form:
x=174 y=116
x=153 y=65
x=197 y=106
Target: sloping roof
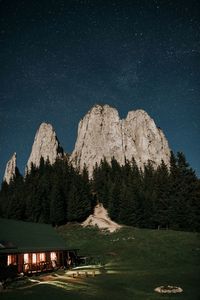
x=6 y=245
x=28 y=237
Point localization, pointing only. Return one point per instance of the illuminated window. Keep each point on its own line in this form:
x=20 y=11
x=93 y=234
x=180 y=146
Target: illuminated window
x=42 y=256
x=34 y=258
x=9 y=260
x=53 y=256
x=26 y=258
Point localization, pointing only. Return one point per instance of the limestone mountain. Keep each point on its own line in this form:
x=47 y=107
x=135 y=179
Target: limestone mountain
x=45 y=145
x=11 y=168
x=101 y=133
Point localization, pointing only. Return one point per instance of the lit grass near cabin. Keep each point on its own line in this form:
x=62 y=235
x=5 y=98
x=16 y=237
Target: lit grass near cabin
x=136 y=261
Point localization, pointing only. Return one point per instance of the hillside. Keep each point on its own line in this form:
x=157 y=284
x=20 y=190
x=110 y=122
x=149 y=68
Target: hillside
x=136 y=262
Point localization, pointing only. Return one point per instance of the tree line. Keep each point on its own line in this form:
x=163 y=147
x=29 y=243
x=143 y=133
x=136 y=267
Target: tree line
x=166 y=197
x=53 y=194
x=150 y=198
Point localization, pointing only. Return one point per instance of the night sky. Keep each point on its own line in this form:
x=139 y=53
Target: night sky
x=59 y=58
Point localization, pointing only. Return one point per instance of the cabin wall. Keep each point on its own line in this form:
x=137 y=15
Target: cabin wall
x=33 y=262
x=20 y=262
x=42 y=261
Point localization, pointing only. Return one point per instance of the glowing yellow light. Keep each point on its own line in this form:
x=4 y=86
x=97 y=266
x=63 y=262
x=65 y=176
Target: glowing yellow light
x=42 y=256
x=34 y=258
x=9 y=260
x=26 y=258
x=53 y=256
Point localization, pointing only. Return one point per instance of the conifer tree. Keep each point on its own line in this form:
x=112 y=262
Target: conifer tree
x=188 y=190
x=57 y=206
x=161 y=203
x=4 y=199
x=79 y=204
x=16 y=204
x=102 y=182
x=114 y=200
x=150 y=198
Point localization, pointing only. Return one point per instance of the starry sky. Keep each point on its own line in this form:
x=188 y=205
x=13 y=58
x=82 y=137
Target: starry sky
x=59 y=58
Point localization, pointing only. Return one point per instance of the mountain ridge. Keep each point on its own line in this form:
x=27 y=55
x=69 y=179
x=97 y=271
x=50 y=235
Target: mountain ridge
x=103 y=134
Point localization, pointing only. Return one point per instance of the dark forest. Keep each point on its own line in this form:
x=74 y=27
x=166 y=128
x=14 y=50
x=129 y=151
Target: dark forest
x=165 y=198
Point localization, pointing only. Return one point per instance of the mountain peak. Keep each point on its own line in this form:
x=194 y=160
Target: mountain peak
x=11 y=167
x=102 y=134
x=45 y=145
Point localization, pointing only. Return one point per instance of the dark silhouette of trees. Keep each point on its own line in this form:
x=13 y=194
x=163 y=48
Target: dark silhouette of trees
x=166 y=197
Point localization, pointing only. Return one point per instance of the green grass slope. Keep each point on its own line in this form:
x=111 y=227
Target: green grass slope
x=136 y=261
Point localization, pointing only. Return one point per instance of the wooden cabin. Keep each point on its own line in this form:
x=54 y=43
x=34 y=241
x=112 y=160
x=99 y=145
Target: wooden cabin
x=31 y=247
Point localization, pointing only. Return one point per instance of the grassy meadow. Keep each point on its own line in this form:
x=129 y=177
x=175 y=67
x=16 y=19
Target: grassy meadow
x=136 y=261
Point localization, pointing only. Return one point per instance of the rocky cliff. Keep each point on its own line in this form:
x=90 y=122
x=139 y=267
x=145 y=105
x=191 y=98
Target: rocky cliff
x=45 y=145
x=101 y=133
x=11 y=168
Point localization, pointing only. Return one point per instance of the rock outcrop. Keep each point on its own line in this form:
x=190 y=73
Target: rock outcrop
x=101 y=219
x=101 y=133
x=45 y=145
x=11 y=168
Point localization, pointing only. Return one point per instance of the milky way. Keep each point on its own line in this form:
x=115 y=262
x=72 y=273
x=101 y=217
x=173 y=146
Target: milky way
x=59 y=58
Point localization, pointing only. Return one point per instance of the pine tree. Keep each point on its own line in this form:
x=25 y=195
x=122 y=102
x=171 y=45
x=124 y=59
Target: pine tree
x=86 y=195
x=57 y=206
x=101 y=181
x=130 y=212
x=187 y=193
x=114 y=200
x=128 y=206
x=74 y=198
x=194 y=207
x=16 y=205
x=161 y=203
x=184 y=194
x=4 y=199
x=79 y=203
x=148 y=197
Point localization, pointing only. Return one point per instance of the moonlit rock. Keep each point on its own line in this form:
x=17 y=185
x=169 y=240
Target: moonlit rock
x=10 y=171
x=45 y=145
x=102 y=134
x=101 y=219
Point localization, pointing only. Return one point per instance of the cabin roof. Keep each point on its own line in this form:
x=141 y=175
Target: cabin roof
x=21 y=237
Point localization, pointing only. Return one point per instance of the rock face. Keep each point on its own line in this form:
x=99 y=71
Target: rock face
x=101 y=219
x=45 y=145
x=101 y=133
x=11 y=167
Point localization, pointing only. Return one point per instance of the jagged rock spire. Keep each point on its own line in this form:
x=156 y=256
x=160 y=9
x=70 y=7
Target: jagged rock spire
x=11 y=167
x=45 y=145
